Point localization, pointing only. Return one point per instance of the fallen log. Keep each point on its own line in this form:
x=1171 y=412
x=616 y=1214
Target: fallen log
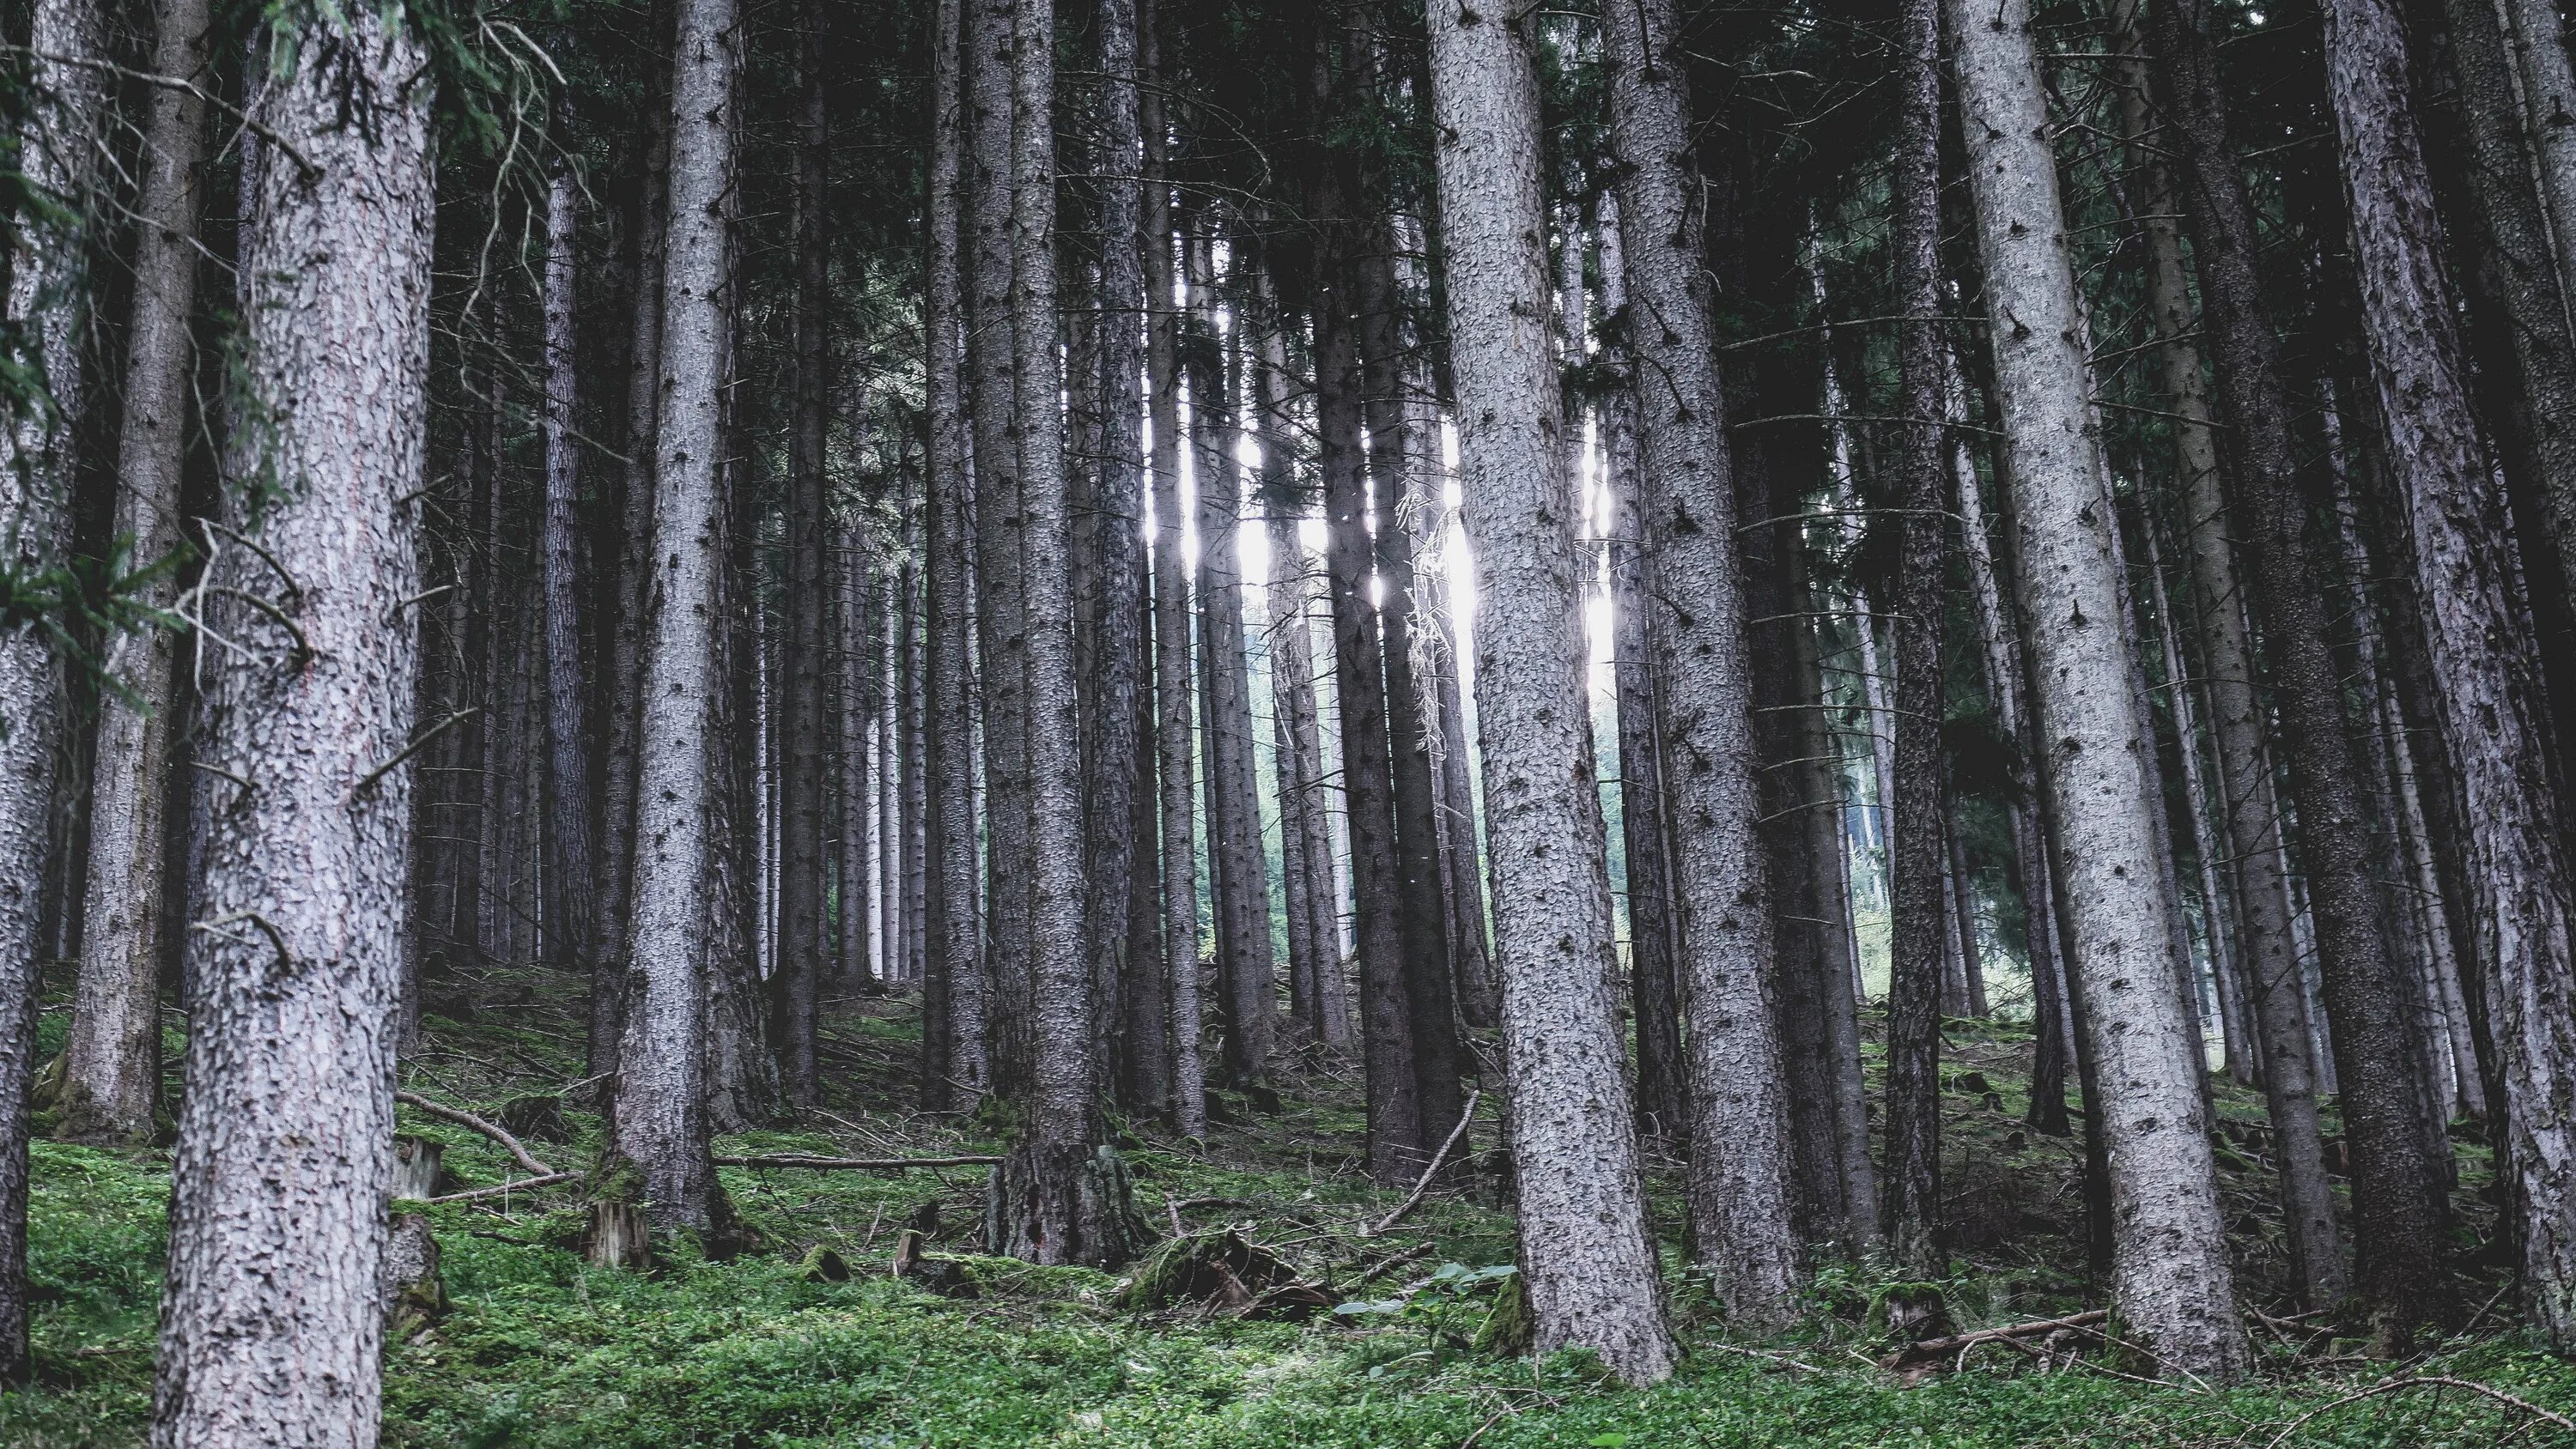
x=493 y=1130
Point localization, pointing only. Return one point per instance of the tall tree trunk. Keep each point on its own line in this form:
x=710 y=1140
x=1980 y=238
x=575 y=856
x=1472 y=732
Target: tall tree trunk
x=1248 y=998
x=1739 y=1178
x=2549 y=107
x=1422 y=906
x=1917 y=862
x=2490 y=697
x=112 y=1060
x=1585 y=1254
x=1663 y=1079
x=1058 y=1203
x=2172 y=1282
x=569 y=904
x=2256 y=405
x=803 y=766
x=1359 y=678
x=853 y=787
x=1173 y=733
x=272 y=1325
x=953 y=1057
x=1115 y=766
x=660 y=1111
x=35 y=507
x=635 y=574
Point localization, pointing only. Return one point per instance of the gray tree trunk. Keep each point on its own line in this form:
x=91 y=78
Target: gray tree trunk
x=1585 y=1255
x=660 y=1110
x=1739 y=1179
x=112 y=1060
x=271 y=1323
x=35 y=503
x=2549 y=106
x=2478 y=634
x=2171 y=1279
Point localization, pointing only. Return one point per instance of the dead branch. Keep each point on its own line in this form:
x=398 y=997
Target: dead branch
x=495 y=1131
x=856 y=1164
x=1378 y=1228
x=522 y=1185
x=1937 y=1348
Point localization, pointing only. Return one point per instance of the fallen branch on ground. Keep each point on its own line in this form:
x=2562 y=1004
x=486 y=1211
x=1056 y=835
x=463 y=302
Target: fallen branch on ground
x=856 y=1164
x=522 y=1185
x=1938 y=1348
x=1378 y=1228
x=493 y=1130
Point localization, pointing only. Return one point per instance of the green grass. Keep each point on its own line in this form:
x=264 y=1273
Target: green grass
x=537 y=1349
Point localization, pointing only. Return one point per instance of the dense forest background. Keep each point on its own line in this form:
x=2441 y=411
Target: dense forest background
x=1264 y=721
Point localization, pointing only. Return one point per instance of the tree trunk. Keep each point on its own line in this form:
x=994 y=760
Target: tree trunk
x=2477 y=631
x=569 y=905
x=271 y=1325
x=1585 y=1254
x=2252 y=393
x=112 y=1060
x=1663 y=1081
x=1055 y=1205
x=1739 y=1179
x=35 y=498
x=954 y=1067
x=2541 y=334
x=1917 y=861
x=1249 y=992
x=1001 y=615
x=1115 y=766
x=660 y=1112
x=2172 y=1282
x=802 y=769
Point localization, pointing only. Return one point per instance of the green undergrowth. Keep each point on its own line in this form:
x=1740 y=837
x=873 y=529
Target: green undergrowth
x=804 y=1339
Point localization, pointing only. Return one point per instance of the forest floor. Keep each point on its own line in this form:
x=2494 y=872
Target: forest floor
x=805 y=1338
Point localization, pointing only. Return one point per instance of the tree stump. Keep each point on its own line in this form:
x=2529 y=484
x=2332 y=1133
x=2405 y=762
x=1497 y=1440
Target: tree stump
x=616 y=1236
x=416 y=1165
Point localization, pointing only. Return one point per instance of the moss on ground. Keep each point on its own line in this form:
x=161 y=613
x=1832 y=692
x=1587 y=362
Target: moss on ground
x=539 y=1350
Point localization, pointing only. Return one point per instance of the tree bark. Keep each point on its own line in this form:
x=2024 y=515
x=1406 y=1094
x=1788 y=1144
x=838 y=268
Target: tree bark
x=570 y=887
x=272 y=1327
x=35 y=508
x=1739 y=1178
x=2171 y=1278
x=1052 y=1207
x=660 y=1111
x=2549 y=107
x=1917 y=860
x=1585 y=1255
x=803 y=770
x=112 y=1059
x=2477 y=631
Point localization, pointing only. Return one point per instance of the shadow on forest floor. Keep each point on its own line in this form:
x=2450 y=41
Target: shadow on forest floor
x=781 y=1347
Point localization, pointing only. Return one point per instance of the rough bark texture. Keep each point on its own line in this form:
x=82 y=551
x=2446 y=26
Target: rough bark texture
x=34 y=516
x=1057 y=1204
x=1917 y=864
x=2171 y=1280
x=2549 y=107
x=2478 y=634
x=954 y=1066
x=1116 y=769
x=660 y=1111
x=271 y=1324
x=1585 y=1255
x=112 y=1060
x=569 y=907
x=1739 y=1178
